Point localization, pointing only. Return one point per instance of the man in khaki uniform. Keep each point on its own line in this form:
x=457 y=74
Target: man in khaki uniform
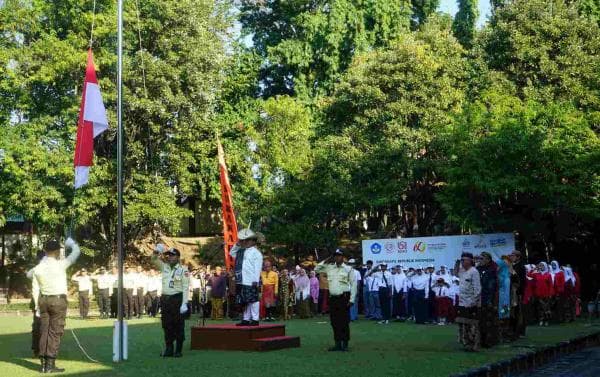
x=174 y=299
x=51 y=277
x=342 y=293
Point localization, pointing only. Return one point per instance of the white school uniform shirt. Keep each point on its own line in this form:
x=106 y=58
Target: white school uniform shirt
x=380 y=282
x=104 y=281
x=369 y=283
x=400 y=282
x=140 y=281
x=84 y=283
x=251 y=265
x=129 y=281
x=453 y=292
x=421 y=282
x=442 y=291
x=195 y=283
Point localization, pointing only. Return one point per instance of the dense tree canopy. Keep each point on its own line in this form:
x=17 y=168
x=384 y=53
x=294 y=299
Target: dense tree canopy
x=340 y=119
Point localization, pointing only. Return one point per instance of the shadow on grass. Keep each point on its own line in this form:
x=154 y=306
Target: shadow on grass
x=399 y=349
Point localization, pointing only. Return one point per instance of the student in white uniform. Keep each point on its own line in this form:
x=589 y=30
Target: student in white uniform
x=399 y=293
x=84 y=287
x=105 y=283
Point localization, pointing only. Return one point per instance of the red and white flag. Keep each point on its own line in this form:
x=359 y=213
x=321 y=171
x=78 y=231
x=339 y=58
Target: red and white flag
x=92 y=122
x=230 y=235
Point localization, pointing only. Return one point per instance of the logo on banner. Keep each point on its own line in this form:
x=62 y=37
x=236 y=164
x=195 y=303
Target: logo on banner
x=420 y=247
x=481 y=244
x=437 y=246
x=402 y=247
x=389 y=247
x=376 y=248
x=498 y=242
x=466 y=244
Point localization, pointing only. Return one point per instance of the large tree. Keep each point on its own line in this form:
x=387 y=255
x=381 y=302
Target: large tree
x=173 y=60
x=376 y=155
x=422 y=9
x=465 y=22
x=549 y=51
x=306 y=45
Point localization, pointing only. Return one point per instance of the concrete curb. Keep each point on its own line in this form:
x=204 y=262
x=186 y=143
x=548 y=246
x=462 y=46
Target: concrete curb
x=531 y=360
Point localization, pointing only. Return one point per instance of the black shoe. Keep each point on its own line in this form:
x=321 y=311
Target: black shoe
x=168 y=352
x=243 y=323
x=51 y=366
x=253 y=323
x=43 y=363
x=344 y=345
x=337 y=347
x=177 y=354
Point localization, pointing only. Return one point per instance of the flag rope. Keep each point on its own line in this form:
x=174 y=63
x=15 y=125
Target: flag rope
x=137 y=12
x=93 y=22
x=83 y=349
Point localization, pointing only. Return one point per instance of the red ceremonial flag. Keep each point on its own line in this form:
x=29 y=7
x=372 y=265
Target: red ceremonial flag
x=92 y=122
x=230 y=234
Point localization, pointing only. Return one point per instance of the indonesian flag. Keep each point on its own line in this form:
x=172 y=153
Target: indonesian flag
x=92 y=122
x=230 y=235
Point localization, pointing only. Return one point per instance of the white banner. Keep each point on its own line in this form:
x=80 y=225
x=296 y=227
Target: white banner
x=442 y=250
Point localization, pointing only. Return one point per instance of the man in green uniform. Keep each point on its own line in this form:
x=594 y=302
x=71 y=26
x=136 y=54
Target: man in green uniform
x=174 y=299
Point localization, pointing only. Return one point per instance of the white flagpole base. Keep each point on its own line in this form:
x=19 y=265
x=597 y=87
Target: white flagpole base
x=116 y=329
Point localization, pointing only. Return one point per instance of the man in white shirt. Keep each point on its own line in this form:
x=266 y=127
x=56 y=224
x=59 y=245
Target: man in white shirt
x=384 y=284
x=104 y=281
x=84 y=287
x=114 y=278
x=153 y=286
x=195 y=287
x=140 y=291
x=399 y=293
x=130 y=295
x=248 y=266
x=420 y=285
x=368 y=305
x=51 y=276
x=469 y=299
x=357 y=278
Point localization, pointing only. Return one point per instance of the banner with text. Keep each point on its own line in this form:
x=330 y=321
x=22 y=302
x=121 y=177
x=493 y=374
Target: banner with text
x=442 y=250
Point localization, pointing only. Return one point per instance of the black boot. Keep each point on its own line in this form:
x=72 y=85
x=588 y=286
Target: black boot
x=337 y=347
x=168 y=352
x=243 y=323
x=51 y=366
x=178 y=348
x=43 y=362
x=344 y=345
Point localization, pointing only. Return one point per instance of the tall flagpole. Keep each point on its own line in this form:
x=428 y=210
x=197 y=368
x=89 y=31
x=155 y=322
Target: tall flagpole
x=120 y=173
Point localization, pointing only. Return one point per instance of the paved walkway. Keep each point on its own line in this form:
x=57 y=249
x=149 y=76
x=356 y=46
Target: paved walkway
x=584 y=363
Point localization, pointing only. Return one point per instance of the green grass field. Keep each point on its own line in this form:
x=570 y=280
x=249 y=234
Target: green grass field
x=399 y=349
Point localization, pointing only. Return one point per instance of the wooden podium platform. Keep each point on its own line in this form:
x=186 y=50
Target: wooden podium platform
x=266 y=337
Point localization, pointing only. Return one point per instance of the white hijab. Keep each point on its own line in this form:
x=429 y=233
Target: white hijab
x=569 y=275
x=545 y=266
x=554 y=269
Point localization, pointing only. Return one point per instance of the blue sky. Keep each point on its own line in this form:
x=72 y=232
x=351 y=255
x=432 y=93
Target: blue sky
x=450 y=6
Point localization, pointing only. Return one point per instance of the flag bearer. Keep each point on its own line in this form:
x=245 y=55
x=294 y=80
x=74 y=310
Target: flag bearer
x=51 y=276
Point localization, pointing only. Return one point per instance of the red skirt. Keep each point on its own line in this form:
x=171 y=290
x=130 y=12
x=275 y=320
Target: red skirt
x=442 y=306
x=268 y=295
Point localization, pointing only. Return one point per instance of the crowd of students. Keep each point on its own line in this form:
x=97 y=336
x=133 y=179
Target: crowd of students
x=542 y=294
